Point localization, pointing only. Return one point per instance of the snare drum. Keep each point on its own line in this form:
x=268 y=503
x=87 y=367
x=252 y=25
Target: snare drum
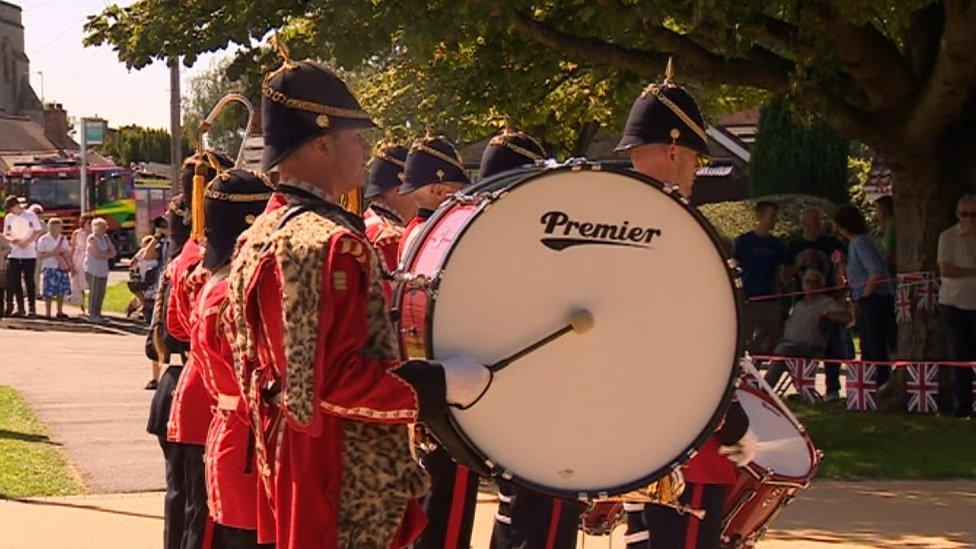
x=786 y=460
x=589 y=415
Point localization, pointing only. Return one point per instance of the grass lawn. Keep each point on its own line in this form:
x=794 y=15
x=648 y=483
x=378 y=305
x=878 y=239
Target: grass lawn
x=893 y=446
x=117 y=296
x=30 y=464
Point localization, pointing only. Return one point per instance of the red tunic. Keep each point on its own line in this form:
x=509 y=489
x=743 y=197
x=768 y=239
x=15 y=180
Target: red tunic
x=410 y=232
x=384 y=233
x=710 y=467
x=232 y=480
x=306 y=460
x=189 y=418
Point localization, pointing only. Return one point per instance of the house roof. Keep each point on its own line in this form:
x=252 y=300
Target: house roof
x=746 y=117
x=21 y=134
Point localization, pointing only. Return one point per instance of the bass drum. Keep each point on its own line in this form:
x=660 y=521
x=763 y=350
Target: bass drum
x=590 y=414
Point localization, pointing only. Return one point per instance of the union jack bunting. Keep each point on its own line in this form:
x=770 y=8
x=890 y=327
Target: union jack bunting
x=923 y=386
x=861 y=386
x=804 y=374
x=903 y=304
x=928 y=292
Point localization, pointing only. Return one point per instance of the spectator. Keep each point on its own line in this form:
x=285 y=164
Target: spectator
x=54 y=254
x=79 y=248
x=100 y=250
x=6 y=297
x=142 y=272
x=957 y=298
x=884 y=213
x=805 y=334
x=815 y=249
x=22 y=228
x=761 y=255
x=871 y=288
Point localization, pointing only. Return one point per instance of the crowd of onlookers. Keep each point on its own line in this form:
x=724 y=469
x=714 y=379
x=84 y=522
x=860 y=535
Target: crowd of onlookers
x=38 y=255
x=808 y=296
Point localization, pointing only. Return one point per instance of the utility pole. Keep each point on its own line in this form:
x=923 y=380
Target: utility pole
x=85 y=204
x=175 y=132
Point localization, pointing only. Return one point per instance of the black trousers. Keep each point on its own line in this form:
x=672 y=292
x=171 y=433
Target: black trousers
x=530 y=520
x=668 y=529
x=6 y=299
x=195 y=510
x=960 y=329
x=450 y=505
x=22 y=271
x=226 y=537
x=174 y=504
x=874 y=322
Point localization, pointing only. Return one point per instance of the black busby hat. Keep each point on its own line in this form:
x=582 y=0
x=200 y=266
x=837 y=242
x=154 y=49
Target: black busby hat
x=432 y=159
x=303 y=100
x=231 y=202
x=179 y=231
x=509 y=150
x=386 y=169
x=665 y=113
x=194 y=174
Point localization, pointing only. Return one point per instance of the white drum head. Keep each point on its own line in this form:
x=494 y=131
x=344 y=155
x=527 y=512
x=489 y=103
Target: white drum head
x=782 y=447
x=609 y=408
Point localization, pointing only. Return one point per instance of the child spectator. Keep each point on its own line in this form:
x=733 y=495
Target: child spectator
x=100 y=250
x=54 y=254
x=79 y=249
x=142 y=270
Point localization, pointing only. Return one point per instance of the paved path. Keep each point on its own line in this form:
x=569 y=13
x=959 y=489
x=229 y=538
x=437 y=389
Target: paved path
x=829 y=515
x=87 y=388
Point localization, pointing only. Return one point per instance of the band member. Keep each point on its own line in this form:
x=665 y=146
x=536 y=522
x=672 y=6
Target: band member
x=164 y=349
x=330 y=401
x=388 y=210
x=525 y=518
x=433 y=173
x=665 y=136
x=232 y=200
x=190 y=409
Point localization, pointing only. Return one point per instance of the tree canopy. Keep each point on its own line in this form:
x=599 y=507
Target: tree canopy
x=132 y=143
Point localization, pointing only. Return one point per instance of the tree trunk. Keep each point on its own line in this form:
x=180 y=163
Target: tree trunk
x=927 y=184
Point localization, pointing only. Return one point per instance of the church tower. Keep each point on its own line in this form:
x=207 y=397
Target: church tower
x=17 y=97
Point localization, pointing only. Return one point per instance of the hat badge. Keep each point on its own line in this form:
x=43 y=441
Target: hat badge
x=322 y=121
x=249 y=219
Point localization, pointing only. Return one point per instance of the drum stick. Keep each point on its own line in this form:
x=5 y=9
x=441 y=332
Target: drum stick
x=751 y=369
x=579 y=321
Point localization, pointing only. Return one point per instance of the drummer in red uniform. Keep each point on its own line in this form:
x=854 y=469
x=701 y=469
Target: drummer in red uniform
x=665 y=135
x=433 y=173
x=388 y=210
x=526 y=518
x=231 y=202
x=190 y=410
x=330 y=400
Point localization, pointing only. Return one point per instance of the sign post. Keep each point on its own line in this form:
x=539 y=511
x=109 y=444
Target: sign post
x=91 y=132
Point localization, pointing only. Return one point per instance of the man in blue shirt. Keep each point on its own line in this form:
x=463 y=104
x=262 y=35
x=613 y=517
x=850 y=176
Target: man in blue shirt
x=761 y=257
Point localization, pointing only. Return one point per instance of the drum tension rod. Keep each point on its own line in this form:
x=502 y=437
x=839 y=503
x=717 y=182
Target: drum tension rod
x=579 y=321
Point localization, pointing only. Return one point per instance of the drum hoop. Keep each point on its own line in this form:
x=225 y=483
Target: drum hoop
x=719 y=247
x=771 y=474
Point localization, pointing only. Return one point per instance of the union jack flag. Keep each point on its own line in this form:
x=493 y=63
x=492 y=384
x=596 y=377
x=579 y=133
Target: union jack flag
x=923 y=386
x=804 y=374
x=903 y=304
x=861 y=386
x=928 y=292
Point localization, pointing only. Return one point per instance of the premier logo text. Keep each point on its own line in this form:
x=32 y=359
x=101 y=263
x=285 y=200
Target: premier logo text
x=568 y=232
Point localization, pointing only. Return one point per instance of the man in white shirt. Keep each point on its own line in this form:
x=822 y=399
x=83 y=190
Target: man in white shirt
x=957 y=297
x=22 y=228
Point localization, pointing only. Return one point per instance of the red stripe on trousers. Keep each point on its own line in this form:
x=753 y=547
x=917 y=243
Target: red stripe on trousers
x=691 y=532
x=457 y=507
x=557 y=509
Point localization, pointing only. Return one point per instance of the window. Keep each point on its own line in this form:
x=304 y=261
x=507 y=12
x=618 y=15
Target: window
x=54 y=193
x=110 y=188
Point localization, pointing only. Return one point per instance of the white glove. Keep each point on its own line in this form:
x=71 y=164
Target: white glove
x=743 y=452
x=466 y=379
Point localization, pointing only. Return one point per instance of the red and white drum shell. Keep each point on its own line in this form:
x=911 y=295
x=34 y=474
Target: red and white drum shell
x=786 y=460
x=590 y=415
